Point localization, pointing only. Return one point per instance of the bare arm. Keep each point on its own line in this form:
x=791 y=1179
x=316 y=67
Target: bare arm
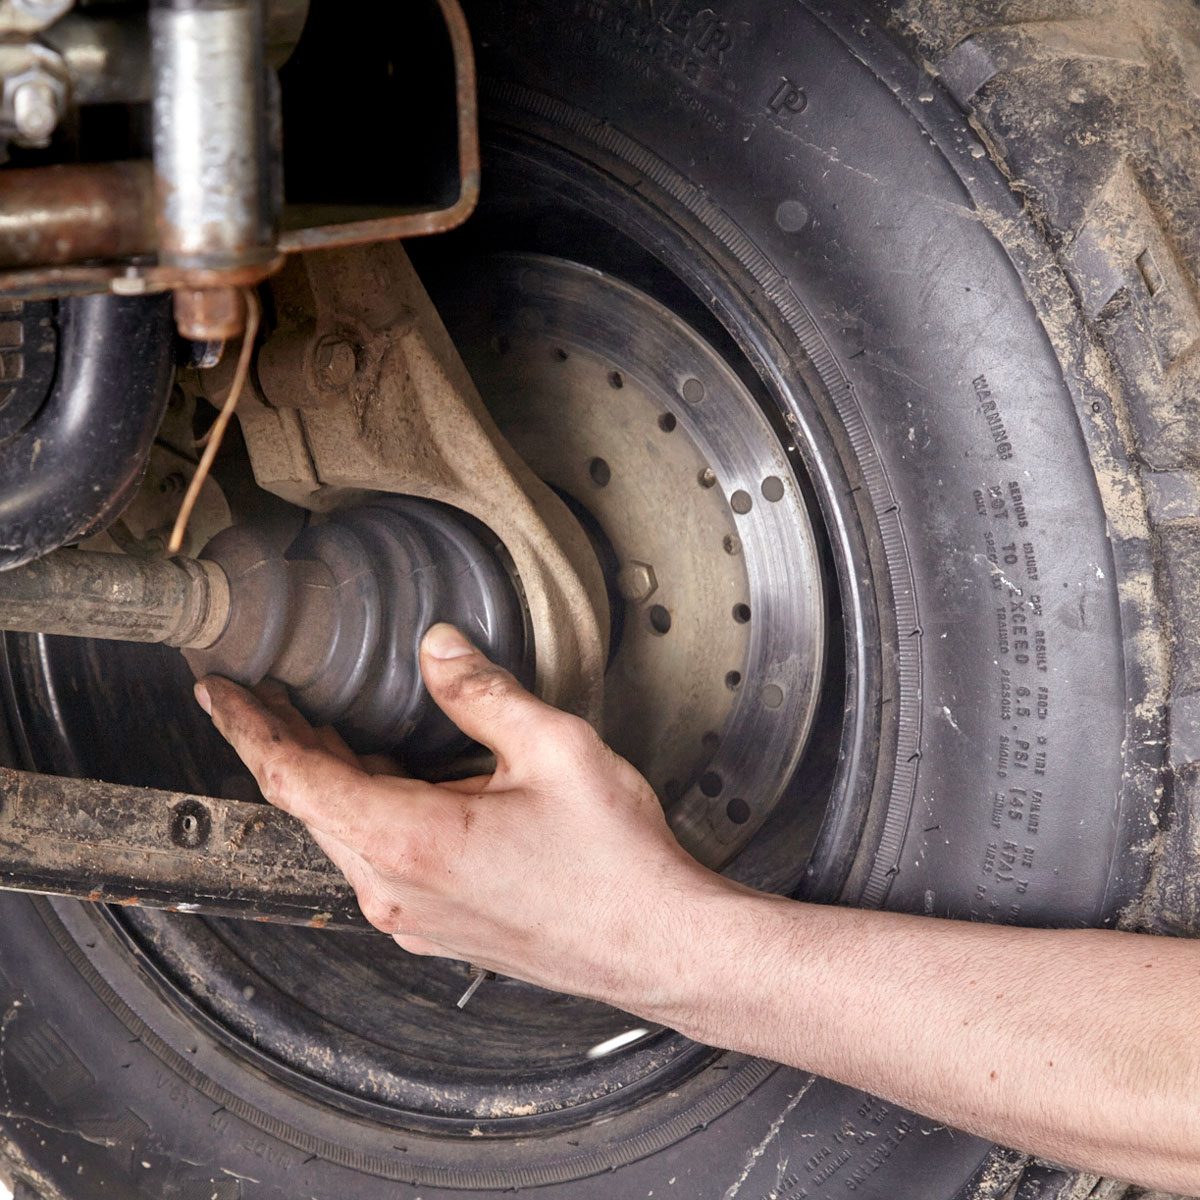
x=1076 y=1046
x=559 y=869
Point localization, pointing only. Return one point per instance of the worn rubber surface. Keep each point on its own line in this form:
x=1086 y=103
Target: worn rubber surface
x=969 y=292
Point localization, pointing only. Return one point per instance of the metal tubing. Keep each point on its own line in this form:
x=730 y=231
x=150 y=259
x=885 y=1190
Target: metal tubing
x=209 y=86
x=181 y=602
x=108 y=57
x=66 y=214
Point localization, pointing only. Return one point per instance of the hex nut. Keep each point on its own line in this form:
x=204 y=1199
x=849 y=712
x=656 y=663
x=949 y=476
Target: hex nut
x=636 y=581
x=32 y=105
x=30 y=15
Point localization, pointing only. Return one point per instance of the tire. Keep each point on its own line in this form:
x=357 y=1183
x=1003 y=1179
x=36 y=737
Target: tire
x=929 y=270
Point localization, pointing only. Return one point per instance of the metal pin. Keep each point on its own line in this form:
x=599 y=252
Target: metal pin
x=478 y=975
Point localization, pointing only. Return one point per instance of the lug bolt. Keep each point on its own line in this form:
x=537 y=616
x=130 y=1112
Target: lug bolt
x=35 y=111
x=636 y=581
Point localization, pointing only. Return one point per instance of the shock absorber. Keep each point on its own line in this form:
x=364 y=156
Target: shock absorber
x=337 y=616
x=213 y=182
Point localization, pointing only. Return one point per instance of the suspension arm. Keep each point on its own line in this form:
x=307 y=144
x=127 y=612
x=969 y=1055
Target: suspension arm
x=114 y=844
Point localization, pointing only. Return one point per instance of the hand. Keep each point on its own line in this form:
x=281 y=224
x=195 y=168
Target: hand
x=559 y=868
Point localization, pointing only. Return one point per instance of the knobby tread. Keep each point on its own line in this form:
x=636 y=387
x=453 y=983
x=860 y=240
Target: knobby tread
x=1089 y=106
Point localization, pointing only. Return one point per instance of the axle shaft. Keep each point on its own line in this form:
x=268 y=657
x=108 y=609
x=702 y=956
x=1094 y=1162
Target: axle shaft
x=181 y=602
x=338 y=616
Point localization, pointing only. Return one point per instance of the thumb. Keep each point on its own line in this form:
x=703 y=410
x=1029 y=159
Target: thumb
x=482 y=699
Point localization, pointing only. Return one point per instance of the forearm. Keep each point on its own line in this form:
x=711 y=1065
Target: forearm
x=560 y=869
x=1079 y=1046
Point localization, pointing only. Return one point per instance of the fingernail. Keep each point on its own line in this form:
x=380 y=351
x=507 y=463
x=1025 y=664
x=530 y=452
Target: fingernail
x=203 y=698
x=444 y=641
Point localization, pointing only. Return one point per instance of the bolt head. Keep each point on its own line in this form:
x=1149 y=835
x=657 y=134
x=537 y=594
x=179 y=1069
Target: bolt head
x=35 y=110
x=45 y=12
x=336 y=362
x=636 y=581
x=210 y=315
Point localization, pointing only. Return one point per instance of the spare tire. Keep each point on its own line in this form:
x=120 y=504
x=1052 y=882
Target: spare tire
x=971 y=334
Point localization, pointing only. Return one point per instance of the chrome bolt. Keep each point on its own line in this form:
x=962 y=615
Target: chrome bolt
x=636 y=581
x=35 y=111
x=45 y=12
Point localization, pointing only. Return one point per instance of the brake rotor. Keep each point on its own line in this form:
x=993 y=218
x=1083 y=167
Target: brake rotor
x=635 y=419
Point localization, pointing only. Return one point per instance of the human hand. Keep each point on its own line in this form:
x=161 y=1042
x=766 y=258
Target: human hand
x=559 y=868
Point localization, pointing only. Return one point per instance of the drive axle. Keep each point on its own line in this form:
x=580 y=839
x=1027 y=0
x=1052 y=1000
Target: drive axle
x=337 y=615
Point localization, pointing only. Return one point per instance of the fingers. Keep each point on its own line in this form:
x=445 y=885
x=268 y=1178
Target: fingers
x=475 y=785
x=331 y=740
x=275 y=697
x=482 y=699
x=295 y=773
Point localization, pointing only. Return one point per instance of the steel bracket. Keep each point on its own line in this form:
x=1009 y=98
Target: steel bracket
x=114 y=844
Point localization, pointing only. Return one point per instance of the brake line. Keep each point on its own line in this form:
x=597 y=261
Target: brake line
x=211 y=441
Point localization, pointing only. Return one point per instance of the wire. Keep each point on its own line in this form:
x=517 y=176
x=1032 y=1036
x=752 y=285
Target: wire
x=216 y=432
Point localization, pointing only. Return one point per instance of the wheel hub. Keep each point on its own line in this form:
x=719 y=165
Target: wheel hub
x=718 y=644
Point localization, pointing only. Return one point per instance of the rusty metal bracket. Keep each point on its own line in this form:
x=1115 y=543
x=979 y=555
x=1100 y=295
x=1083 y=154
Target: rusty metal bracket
x=362 y=389
x=126 y=845
x=418 y=224
x=98 y=214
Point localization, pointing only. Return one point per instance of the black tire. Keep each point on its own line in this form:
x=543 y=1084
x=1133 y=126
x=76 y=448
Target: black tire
x=969 y=369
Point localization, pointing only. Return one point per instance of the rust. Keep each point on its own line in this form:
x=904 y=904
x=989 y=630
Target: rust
x=95 y=215
x=51 y=216
x=41 y=283
x=210 y=314
x=110 y=844
x=88 y=594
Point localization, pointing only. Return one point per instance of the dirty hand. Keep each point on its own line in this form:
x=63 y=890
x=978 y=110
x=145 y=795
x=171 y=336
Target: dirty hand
x=558 y=869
